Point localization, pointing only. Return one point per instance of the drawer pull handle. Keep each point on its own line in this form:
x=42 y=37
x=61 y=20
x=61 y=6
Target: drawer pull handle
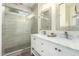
x=56 y=49
x=59 y=50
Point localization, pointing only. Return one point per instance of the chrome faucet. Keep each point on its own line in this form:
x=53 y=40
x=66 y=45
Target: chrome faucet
x=66 y=34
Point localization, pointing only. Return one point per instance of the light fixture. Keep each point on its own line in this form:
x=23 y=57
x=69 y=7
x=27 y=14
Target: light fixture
x=23 y=13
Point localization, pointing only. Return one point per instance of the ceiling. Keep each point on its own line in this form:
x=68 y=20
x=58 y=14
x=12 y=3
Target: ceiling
x=29 y=5
x=26 y=5
x=21 y=6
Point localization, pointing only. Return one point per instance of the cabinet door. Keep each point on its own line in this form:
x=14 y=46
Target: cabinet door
x=46 y=48
x=33 y=42
x=42 y=47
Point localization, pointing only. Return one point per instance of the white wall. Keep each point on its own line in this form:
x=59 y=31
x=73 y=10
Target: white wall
x=1 y=28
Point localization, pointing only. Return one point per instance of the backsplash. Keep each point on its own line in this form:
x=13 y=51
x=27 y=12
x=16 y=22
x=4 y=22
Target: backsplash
x=71 y=34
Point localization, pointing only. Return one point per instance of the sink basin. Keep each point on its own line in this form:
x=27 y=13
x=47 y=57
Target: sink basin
x=51 y=35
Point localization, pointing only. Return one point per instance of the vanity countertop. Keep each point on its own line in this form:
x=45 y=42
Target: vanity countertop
x=74 y=43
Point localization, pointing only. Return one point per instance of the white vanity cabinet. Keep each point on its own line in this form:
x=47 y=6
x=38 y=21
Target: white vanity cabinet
x=60 y=50
x=38 y=46
x=47 y=48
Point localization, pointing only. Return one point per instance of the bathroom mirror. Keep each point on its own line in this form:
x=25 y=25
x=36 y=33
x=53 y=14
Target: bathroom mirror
x=46 y=20
x=67 y=19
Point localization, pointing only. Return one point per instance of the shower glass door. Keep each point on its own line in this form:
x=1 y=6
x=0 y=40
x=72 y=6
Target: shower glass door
x=16 y=31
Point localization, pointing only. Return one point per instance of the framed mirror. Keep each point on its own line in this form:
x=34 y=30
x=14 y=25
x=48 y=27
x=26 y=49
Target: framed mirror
x=46 y=20
x=69 y=17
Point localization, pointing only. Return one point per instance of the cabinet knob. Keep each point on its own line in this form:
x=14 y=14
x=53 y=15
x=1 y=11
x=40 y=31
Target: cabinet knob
x=42 y=50
x=59 y=50
x=32 y=48
x=56 y=49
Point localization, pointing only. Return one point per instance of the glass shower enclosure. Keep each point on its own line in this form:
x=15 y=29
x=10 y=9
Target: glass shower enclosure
x=16 y=31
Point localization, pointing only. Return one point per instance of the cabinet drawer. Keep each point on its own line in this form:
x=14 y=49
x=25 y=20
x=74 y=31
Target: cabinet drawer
x=33 y=42
x=60 y=50
x=39 y=45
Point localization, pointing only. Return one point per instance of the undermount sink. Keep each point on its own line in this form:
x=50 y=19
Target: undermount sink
x=51 y=35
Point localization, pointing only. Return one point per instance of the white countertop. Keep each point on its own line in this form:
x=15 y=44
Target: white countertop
x=74 y=43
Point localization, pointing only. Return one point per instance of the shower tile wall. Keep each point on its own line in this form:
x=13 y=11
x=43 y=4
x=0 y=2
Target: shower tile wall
x=15 y=32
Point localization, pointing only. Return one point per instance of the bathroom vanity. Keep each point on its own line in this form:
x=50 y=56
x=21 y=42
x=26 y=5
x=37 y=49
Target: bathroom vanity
x=42 y=45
